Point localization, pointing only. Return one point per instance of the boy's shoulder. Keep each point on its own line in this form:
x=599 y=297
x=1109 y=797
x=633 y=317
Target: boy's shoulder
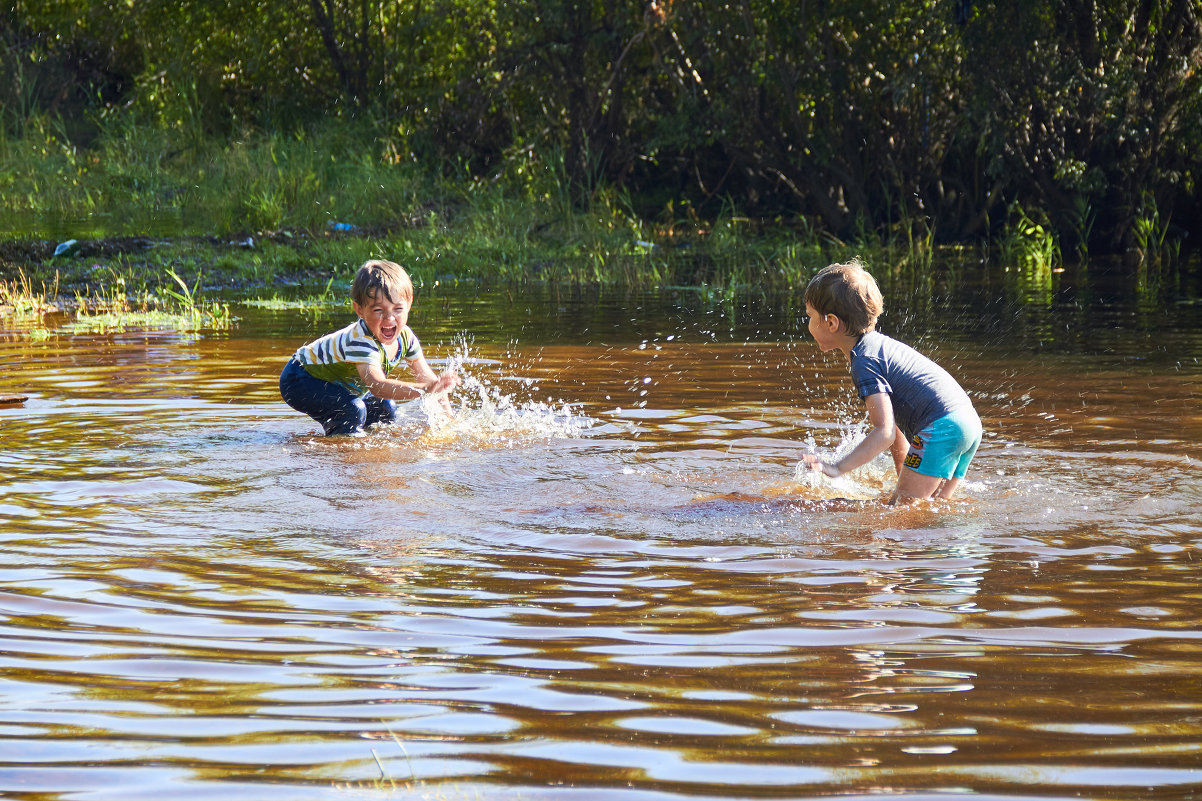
x=873 y=342
x=875 y=346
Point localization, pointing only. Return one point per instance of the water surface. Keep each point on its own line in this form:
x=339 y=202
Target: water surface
x=606 y=579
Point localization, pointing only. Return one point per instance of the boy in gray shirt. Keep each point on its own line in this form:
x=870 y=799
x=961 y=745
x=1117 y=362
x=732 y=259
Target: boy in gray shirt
x=917 y=410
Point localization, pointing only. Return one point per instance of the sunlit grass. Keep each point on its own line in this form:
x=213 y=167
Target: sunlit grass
x=1029 y=245
x=326 y=299
x=20 y=297
x=180 y=308
x=135 y=174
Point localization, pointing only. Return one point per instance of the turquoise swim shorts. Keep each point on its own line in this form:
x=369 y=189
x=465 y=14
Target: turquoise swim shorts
x=945 y=447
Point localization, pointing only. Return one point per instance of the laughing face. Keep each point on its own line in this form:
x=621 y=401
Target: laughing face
x=384 y=318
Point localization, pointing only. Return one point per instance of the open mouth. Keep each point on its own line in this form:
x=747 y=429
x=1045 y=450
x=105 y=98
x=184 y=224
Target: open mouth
x=387 y=331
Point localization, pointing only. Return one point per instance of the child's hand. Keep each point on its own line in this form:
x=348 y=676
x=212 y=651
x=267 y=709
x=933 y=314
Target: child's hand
x=444 y=383
x=814 y=463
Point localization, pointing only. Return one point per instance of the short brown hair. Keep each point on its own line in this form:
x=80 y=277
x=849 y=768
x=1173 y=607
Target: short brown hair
x=849 y=292
x=378 y=276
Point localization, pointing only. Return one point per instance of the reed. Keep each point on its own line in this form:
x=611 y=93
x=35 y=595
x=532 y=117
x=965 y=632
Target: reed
x=19 y=296
x=1153 y=247
x=1029 y=245
x=115 y=307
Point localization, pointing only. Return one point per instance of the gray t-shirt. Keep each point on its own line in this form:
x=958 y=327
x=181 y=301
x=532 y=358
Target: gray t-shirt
x=921 y=391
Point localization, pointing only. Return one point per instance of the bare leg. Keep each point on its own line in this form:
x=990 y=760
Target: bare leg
x=948 y=489
x=913 y=486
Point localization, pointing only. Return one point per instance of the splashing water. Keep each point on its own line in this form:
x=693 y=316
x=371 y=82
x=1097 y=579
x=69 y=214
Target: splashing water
x=485 y=415
x=479 y=414
x=865 y=482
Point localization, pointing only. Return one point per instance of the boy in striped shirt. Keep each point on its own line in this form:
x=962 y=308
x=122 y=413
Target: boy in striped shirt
x=343 y=380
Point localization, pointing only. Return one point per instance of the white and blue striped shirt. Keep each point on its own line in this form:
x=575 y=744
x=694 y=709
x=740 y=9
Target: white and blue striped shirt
x=335 y=356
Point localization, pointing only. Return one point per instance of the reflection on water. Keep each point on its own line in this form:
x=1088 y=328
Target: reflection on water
x=605 y=578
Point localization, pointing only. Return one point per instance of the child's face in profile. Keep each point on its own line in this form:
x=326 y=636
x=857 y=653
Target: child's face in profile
x=823 y=328
x=384 y=317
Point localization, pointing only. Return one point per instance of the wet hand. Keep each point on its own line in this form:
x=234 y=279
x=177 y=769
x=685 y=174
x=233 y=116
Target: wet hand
x=444 y=383
x=814 y=463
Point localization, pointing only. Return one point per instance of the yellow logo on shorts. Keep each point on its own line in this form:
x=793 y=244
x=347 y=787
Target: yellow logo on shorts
x=916 y=441
x=913 y=460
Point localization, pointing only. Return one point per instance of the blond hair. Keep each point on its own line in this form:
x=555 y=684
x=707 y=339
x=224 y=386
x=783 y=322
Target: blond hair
x=378 y=277
x=850 y=293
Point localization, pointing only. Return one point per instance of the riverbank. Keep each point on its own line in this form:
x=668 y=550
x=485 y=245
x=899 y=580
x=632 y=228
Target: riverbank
x=81 y=264
x=729 y=257
x=722 y=265
x=266 y=211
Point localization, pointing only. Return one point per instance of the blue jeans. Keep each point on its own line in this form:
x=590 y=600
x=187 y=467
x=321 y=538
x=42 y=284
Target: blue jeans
x=339 y=410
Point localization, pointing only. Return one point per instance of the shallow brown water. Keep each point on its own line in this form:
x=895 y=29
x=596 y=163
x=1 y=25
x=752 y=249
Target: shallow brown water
x=605 y=580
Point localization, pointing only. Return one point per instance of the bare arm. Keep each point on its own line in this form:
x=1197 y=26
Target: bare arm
x=384 y=387
x=901 y=446
x=435 y=384
x=882 y=437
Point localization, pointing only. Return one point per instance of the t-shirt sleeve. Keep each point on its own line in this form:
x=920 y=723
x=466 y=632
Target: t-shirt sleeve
x=869 y=377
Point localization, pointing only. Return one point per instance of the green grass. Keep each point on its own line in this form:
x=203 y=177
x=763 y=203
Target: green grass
x=181 y=307
x=328 y=298
x=489 y=236
x=117 y=304
x=255 y=213
x=19 y=297
x=135 y=176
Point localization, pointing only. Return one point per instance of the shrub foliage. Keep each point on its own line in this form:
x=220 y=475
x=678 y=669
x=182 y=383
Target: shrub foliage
x=928 y=118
